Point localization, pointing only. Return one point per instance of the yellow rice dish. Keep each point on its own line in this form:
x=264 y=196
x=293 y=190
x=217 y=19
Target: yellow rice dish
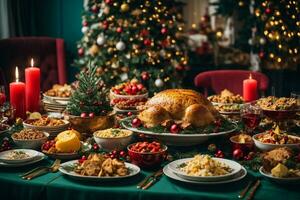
x=113 y=133
x=205 y=165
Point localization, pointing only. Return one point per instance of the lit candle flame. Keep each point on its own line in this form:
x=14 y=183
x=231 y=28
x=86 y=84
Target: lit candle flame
x=32 y=62
x=17 y=74
x=250 y=76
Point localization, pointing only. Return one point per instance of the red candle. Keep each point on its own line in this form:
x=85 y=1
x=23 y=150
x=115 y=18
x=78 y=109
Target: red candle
x=17 y=96
x=32 y=79
x=249 y=89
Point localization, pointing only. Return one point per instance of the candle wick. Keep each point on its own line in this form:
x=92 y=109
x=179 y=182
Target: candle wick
x=32 y=62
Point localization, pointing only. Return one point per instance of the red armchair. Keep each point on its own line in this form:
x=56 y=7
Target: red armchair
x=230 y=79
x=48 y=53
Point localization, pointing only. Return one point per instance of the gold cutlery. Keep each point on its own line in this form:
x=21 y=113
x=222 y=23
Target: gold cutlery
x=254 y=188
x=245 y=190
x=153 y=180
x=143 y=182
x=54 y=168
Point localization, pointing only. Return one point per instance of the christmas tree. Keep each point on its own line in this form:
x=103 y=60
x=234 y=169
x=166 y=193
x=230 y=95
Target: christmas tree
x=271 y=29
x=134 y=39
x=89 y=98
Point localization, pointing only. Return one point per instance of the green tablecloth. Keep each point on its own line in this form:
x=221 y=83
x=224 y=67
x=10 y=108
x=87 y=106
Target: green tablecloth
x=57 y=186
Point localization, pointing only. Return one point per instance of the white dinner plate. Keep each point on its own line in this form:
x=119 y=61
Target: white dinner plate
x=174 y=167
x=234 y=178
x=38 y=158
x=31 y=153
x=277 y=179
x=133 y=170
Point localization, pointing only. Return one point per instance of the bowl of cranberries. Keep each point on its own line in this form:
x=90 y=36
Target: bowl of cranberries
x=128 y=95
x=147 y=154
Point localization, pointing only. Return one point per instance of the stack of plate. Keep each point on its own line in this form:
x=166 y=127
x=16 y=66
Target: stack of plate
x=172 y=170
x=33 y=157
x=52 y=130
x=55 y=104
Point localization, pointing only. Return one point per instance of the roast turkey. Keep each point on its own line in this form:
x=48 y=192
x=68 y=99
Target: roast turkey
x=187 y=106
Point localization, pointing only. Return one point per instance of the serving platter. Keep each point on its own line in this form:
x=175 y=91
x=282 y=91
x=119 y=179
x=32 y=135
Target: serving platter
x=66 y=169
x=179 y=139
x=38 y=158
x=31 y=156
x=278 y=179
x=175 y=168
x=169 y=173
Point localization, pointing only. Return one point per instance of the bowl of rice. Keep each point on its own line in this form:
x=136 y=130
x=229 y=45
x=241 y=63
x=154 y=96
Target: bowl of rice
x=113 y=138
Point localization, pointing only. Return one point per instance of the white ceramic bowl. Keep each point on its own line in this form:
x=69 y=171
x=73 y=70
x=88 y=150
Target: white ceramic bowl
x=30 y=144
x=267 y=147
x=109 y=144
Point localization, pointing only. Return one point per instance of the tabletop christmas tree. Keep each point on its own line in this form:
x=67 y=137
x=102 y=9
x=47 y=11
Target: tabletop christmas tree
x=89 y=98
x=134 y=39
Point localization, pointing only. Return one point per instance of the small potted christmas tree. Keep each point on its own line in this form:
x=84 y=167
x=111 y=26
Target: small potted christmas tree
x=88 y=108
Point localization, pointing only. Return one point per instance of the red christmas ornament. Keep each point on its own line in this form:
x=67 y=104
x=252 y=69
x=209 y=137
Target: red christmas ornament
x=145 y=76
x=136 y=122
x=83 y=115
x=108 y=1
x=119 y=30
x=219 y=154
x=174 y=128
x=95 y=147
x=268 y=11
x=105 y=25
x=80 y=52
x=164 y=30
x=147 y=42
x=261 y=54
x=92 y=115
x=84 y=23
x=95 y=9
x=237 y=154
x=129 y=114
x=144 y=33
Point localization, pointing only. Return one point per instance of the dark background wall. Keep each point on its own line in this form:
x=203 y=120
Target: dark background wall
x=61 y=19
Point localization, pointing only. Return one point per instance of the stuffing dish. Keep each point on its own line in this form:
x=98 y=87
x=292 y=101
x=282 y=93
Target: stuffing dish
x=276 y=137
x=226 y=97
x=45 y=121
x=278 y=104
x=57 y=90
x=99 y=165
x=205 y=165
x=28 y=134
x=276 y=162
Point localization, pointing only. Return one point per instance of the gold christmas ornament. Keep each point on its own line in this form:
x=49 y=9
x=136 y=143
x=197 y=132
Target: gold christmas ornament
x=124 y=7
x=94 y=50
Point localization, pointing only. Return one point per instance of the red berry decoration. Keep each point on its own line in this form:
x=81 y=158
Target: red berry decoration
x=174 y=128
x=122 y=154
x=237 y=154
x=147 y=42
x=83 y=115
x=145 y=76
x=82 y=159
x=219 y=154
x=140 y=86
x=96 y=147
x=164 y=30
x=261 y=54
x=136 y=122
x=105 y=25
x=108 y=1
x=268 y=10
x=91 y=115
x=119 y=30
x=95 y=8
x=134 y=90
x=80 y=52
x=84 y=23
x=144 y=32
x=129 y=113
